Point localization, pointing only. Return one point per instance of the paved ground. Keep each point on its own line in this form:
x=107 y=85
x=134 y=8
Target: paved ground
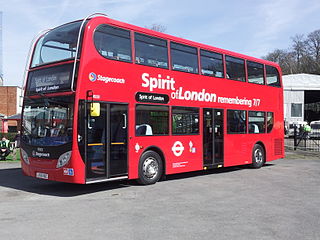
x=278 y=201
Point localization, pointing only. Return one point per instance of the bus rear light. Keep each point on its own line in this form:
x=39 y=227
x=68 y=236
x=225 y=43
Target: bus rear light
x=25 y=156
x=64 y=159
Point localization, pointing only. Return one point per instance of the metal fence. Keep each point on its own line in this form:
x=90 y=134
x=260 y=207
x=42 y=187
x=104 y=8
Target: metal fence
x=302 y=140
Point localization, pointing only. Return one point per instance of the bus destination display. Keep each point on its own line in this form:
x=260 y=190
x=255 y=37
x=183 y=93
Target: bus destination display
x=50 y=80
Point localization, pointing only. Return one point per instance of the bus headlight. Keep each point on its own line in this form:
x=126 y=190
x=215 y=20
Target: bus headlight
x=24 y=156
x=64 y=159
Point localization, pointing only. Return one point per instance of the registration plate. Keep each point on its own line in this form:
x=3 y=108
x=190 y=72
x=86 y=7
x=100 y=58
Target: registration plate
x=42 y=175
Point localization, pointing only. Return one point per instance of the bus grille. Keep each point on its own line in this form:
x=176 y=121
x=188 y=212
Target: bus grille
x=278 y=146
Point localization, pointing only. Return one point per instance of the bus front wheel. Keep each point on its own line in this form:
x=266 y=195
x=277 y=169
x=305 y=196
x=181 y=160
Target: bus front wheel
x=150 y=168
x=258 y=156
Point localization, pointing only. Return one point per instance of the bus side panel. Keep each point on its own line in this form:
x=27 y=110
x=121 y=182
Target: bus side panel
x=181 y=153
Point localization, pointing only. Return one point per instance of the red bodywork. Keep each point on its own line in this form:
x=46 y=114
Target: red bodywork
x=237 y=147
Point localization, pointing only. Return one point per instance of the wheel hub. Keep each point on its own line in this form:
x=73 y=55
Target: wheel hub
x=258 y=156
x=150 y=168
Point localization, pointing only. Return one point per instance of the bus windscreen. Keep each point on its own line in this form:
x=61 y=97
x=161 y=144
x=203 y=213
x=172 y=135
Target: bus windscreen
x=57 y=45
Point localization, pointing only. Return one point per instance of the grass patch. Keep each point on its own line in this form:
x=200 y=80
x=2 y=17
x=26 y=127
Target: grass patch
x=13 y=156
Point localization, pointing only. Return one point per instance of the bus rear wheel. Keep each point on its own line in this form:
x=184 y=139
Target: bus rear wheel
x=258 y=156
x=150 y=168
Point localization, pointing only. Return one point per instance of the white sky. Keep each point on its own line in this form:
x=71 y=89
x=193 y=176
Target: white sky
x=252 y=27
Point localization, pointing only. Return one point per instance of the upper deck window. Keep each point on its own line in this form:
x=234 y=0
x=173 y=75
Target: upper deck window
x=255 y=72
x=184 y=58
x=273 y=78
x=211 y=64
x=113 y=43
x=235 y=69
x=57 y=45
x=151 y=51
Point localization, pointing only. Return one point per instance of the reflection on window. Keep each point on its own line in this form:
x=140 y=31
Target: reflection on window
x=273 y=78
x=256 y=122
x=47 y=122
x=113 y=43
x=57 y=45
x=211 y=64
x=270 y=120
x=236 y=121
x=184 y=58
x=185 y=120
x=255 y=72
x=235 y=69
x=151 y=51
x=152 y=120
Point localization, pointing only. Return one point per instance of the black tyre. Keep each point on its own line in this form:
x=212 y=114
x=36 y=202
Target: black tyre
x=258 y=156
x=150 y=168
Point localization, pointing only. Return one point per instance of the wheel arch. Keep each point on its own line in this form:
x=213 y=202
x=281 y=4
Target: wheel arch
x=160 y=152
x=264 y=148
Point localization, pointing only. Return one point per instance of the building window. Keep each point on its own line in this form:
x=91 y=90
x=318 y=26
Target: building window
x=185 y=120
x=152 y=120
x=151 y=51
x=273 y=78
x=256 y=122
x=184 y=58
x=113 y=43
x=296 y=109
x=255 y=72
x=235 y=69
x=211 y=64
x=236 y=121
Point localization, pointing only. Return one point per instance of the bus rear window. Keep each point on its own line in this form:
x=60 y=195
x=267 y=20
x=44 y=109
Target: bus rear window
x=273 y=78
x=113 y=43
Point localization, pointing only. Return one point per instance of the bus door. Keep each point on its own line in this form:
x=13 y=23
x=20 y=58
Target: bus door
x=106 y=140
x=212 y=137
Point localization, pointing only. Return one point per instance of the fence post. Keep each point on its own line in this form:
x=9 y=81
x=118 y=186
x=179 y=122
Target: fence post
x=295 y=137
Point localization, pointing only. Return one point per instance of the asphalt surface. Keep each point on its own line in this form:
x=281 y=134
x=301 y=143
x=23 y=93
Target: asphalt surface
x=278 y=201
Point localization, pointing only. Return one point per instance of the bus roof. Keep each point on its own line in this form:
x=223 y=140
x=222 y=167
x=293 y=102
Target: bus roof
x=181 y=40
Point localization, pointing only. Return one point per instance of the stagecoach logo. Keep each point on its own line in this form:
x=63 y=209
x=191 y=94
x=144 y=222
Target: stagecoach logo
x=40 y=154
x=177 y=148
x=92 y=77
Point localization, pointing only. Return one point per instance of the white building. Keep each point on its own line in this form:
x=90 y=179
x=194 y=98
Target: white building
x=301 y=97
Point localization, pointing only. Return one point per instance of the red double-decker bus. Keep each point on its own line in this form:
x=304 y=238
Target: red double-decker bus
x=106 y=100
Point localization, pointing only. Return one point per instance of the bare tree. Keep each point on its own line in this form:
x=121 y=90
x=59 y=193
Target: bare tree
x=157 y=27
x=303 y=56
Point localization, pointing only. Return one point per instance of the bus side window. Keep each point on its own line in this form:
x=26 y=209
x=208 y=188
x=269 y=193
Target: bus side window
x=235 y=69
x=184 y=58
x=270 y=121
x=255 y=72
x=113 y=43
x=256 y=122
x=236 y=121
x=151 y=51
x=211 y=64
x=152 y=120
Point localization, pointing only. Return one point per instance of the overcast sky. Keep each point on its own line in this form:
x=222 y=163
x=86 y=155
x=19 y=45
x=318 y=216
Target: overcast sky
x=252 y=27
